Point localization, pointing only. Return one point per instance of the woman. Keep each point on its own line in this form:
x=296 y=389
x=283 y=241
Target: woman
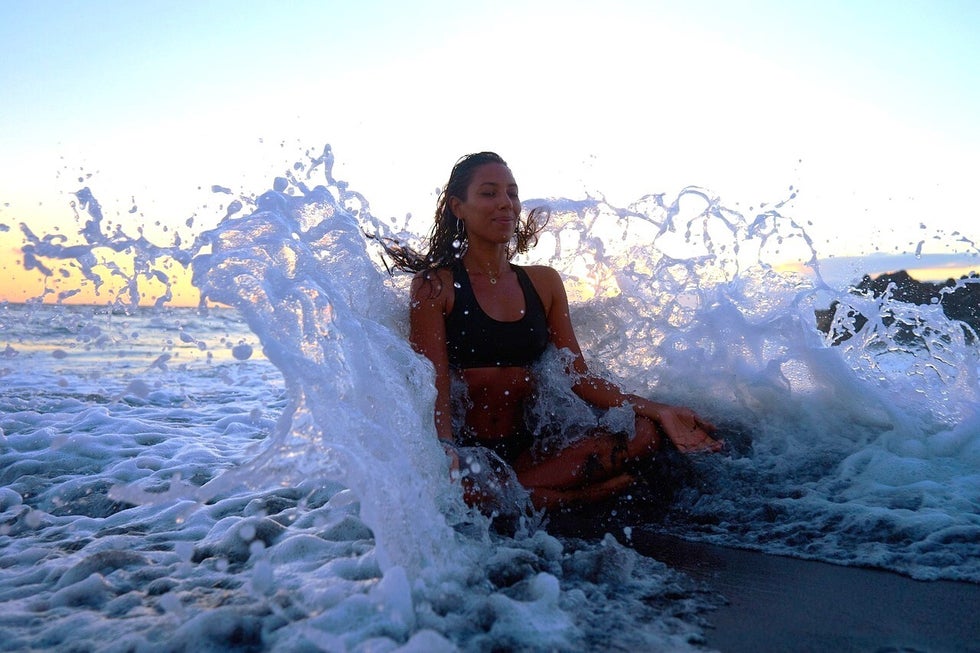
x=484 y=322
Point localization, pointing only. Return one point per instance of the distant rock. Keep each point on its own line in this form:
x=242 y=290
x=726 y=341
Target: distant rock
x=961 y=304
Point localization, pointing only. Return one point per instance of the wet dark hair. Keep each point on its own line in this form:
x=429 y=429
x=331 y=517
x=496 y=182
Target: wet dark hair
x=447 y=241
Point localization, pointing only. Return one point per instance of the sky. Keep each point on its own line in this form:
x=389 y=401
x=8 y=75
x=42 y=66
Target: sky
x=866 y=109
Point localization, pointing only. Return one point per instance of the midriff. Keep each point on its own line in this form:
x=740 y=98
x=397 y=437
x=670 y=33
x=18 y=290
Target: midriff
x=498 y=395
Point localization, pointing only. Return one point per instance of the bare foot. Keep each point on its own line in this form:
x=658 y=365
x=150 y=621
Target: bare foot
x=551 y=498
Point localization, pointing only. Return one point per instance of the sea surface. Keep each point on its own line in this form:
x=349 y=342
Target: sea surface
x=261 y=473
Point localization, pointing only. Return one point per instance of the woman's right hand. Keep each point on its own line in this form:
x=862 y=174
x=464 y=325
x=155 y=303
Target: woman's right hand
x=453 y=455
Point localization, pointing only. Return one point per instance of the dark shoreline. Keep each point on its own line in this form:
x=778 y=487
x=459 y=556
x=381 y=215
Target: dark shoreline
x=777 y=603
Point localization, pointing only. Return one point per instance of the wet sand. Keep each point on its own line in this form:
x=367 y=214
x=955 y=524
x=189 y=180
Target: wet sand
x=776 y=603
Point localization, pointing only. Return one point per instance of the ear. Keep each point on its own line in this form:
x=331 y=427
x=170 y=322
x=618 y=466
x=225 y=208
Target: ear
x=454 y=203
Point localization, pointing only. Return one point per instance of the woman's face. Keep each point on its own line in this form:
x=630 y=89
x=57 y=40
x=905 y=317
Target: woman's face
x=491 y=207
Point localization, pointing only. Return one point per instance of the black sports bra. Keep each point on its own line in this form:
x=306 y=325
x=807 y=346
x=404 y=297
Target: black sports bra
x=475 y=339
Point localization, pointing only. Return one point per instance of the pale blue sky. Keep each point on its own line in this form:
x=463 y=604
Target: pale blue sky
x=869 y=108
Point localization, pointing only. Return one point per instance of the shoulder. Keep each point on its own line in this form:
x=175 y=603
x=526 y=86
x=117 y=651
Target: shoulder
x=433 y=286
x=543 y=276
x=548 y=283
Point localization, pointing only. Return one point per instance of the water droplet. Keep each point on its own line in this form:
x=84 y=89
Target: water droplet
x=242 y=351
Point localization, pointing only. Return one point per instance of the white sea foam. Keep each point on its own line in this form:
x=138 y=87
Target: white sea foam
x=267 y=476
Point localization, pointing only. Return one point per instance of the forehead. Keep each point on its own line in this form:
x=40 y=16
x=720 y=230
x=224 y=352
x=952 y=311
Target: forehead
x=493 y=173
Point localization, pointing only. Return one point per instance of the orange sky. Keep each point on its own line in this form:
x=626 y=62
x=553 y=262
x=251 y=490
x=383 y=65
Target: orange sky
x=19 y=285
x=923 y=273
x=939 y=274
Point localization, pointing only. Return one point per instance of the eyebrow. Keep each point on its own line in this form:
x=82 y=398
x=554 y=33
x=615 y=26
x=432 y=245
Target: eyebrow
x=495 y=184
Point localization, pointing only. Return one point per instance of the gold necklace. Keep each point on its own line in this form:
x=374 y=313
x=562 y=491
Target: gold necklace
x=493 y=279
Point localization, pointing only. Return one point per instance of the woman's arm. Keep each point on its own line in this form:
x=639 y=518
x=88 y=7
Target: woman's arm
x=681 y=425
x=430 y=303
x=593 y=389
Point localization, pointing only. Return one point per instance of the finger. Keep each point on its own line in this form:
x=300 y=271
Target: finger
x=706 y=425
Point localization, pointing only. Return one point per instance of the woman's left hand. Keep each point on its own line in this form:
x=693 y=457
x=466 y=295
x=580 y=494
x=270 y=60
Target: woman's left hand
x=688 y=432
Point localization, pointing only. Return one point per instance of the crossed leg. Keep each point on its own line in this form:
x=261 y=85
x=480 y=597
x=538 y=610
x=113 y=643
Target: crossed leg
x=587 y=471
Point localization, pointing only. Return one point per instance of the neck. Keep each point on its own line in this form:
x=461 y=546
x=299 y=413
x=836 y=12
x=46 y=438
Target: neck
x=493 y=260
x=492 y=264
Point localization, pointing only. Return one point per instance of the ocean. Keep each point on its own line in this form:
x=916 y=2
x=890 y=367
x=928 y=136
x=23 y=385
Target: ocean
x=261 y=473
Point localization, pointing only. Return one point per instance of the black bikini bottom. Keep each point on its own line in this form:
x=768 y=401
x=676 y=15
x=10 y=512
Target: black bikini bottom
x=511 y=447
